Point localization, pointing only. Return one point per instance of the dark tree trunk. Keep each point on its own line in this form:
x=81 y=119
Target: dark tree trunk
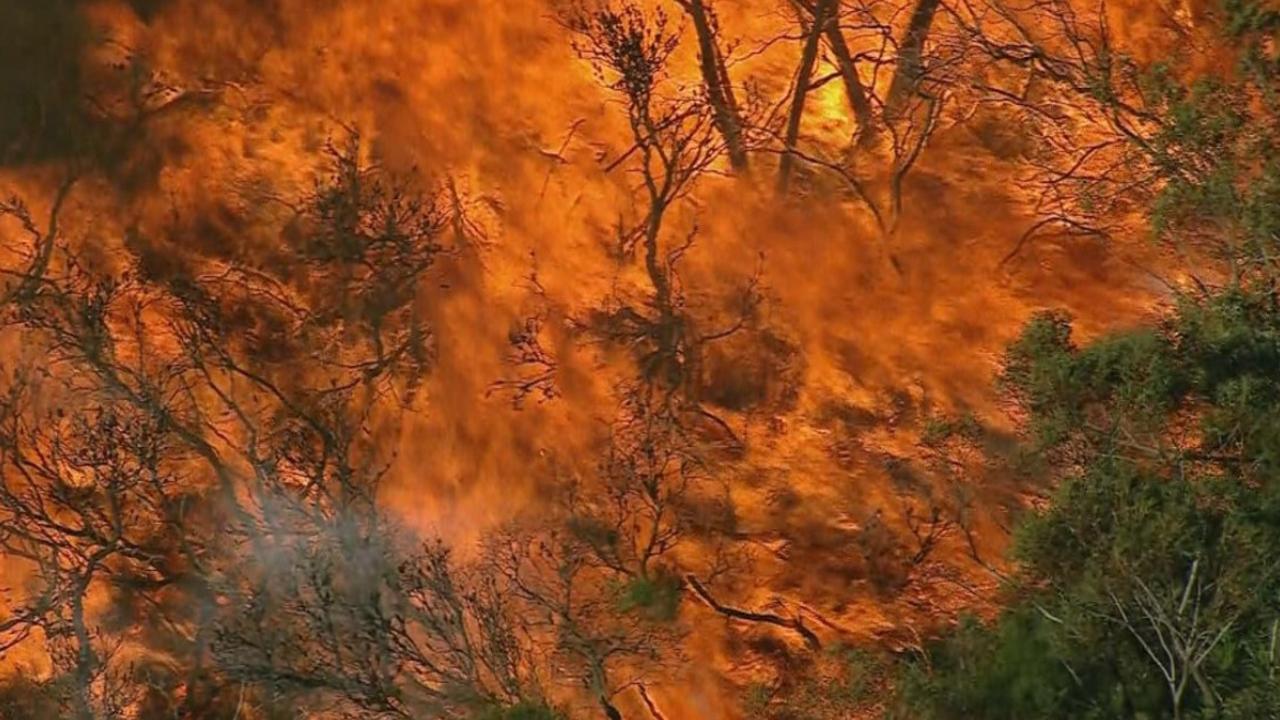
x=857 y=94
x=911 y=55
x=84 y=656
x=716 y=78
x=794 y=624
x=822 y=15
x=611 y=712
x=859 y=103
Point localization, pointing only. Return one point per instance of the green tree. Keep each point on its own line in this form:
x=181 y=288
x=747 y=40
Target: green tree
x=1150 y=586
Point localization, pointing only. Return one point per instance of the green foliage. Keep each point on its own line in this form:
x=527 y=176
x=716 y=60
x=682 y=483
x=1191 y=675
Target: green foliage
x=527 y=710
x=593 y=531
x=656 y=597
x=1166 y=441
x=1249 y=17
x=841 y=681
x=1215 y=148
x=938 y=429
x=1018 y=677
x=1127 y=380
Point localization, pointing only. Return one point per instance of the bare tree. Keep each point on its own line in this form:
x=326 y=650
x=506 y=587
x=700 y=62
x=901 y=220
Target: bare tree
x=1177 y=628
x=855 y=91
x=823 y=17
x=675 y=144
x=892 y=131
x=535 y=368
x=629 y=512
x=279 y=463
x=674 y=136
x=87 y=505
x=1098 y=158
x=715 y=76
x=37 y=256
x=794 y=623
x=339 y=608
x=573 y=605
x=910 y=62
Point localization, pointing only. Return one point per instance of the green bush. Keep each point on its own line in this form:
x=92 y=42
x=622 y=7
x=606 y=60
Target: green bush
x=528 y=710
x=1168 y=503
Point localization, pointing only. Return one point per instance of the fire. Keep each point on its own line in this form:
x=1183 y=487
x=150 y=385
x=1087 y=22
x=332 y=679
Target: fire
x=851 y=323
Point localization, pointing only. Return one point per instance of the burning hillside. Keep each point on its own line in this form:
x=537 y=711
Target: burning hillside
x=446 y=359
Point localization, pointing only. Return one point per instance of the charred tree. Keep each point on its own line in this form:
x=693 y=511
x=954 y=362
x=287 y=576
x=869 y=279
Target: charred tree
x=577 y=612
x=675 y=143
x=910 y=68
x=715 y=77
x=794 y=624
x=855 y=92
x=823 y=15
